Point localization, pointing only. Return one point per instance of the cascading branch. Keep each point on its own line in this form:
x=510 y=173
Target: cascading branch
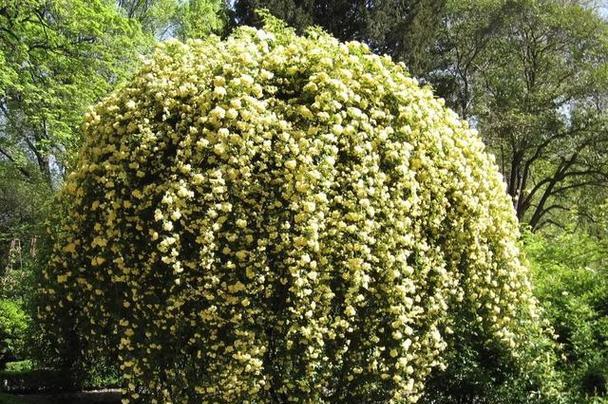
x=276 y=218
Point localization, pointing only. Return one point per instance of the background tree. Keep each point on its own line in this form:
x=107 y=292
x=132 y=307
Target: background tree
x=531 y=75
x=156 y=17
x=59 y=57
x=177 y=18
x=200 y=18
x=571 y=278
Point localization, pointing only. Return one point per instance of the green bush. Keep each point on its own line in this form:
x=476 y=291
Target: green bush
x=571 y=279
x=276 y=218
x=479 y=373
x=14 y=324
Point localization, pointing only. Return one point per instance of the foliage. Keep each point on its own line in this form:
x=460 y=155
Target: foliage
x=19 y=366
x=201 y=18
x=156 y=17
x=24 y=207
x=571 y=278
x=22 y=245
x=478 y=373
x=59 y=57
x=177 y=18
x=532 y=75
x=569 y=366
x=276 y=217
x=14 y=323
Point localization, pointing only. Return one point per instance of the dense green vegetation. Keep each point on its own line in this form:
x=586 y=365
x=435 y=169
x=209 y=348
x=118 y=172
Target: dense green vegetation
x=530 y=75
x=571 y=277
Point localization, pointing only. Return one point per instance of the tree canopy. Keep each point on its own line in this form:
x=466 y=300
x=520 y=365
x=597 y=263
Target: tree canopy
x=58 y=58
x=532 y=76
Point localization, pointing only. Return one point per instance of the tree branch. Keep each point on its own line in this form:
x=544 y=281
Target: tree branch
x=22 y=170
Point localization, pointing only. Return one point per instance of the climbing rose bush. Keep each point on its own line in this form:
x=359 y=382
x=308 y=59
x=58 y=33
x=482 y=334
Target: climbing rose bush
x=276 y=218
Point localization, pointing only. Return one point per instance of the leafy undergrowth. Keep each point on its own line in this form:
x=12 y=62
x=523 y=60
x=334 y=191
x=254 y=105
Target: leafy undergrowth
x=571 y=279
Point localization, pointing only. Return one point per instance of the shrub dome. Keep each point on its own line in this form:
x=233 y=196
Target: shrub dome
x=276 y=218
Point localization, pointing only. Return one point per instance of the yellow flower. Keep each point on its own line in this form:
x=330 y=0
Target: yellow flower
x=322 y=198
x=70 y=248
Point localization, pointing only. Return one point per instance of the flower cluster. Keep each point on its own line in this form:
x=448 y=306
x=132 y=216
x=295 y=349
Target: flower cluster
x=281 y=218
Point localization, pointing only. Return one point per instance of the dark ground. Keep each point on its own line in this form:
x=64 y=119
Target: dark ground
x=104 y=396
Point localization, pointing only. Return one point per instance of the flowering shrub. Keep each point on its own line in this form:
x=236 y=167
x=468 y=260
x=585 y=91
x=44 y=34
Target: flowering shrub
x=276 y=218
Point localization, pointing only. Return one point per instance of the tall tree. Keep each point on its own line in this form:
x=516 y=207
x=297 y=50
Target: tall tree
x=177 y=18
x=157 y=17
x=59 y=56
x=532 y=75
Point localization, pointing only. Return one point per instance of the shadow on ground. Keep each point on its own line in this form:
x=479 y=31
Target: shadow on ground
x=106 y=396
